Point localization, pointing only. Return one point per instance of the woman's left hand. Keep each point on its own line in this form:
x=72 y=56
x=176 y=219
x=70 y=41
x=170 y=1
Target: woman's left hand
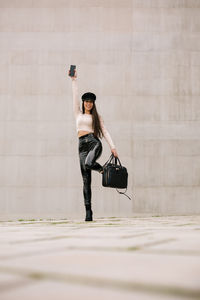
x=114 y=152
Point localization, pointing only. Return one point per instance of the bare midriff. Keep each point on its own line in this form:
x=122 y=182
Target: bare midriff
x=82 y=132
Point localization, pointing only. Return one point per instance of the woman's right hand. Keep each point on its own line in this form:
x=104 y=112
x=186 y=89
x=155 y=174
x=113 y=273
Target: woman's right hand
x=114 y=152
x=75 y=74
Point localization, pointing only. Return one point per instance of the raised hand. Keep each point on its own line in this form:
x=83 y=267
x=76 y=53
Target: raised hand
x=75 y=74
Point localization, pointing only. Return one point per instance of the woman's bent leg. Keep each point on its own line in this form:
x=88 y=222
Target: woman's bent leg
x=93 y=155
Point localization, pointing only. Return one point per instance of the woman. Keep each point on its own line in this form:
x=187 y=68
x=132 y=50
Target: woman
x=90 y=127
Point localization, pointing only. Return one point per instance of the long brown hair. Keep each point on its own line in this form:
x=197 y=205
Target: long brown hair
x=95 y=120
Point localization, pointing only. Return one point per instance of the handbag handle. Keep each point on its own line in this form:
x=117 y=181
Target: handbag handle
x=116 y=158
x=111 y=159
x=107 y=162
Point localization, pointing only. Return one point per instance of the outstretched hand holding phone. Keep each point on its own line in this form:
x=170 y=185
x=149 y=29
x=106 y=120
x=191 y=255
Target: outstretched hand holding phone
x=72 y=72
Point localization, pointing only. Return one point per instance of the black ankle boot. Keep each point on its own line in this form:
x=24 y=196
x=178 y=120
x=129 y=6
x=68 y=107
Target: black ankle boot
x=88 y=213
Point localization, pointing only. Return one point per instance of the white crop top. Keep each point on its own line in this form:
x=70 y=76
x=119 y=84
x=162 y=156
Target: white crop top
x=84 y=121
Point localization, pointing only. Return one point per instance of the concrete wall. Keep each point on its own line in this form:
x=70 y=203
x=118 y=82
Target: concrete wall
x=142 y=59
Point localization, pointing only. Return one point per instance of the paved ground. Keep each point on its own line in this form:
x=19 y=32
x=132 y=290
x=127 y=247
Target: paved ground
x=121 y=258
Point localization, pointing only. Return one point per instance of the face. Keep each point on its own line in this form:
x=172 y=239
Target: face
x=88 y=104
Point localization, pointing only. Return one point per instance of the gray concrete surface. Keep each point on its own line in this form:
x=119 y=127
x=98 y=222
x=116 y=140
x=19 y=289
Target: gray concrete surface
x=120 y=258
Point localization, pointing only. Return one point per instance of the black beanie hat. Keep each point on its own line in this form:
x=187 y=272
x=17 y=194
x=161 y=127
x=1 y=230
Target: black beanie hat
x=88 y=96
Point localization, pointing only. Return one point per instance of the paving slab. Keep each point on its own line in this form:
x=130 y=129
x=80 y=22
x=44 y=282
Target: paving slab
x=52 y=290
x=126 y=258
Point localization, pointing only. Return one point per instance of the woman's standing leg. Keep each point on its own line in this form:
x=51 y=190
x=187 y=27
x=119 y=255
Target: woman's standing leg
x=87 y=178
x=90 y=149
x=86 y=175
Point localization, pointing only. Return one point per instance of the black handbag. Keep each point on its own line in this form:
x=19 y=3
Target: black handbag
x=115 y=175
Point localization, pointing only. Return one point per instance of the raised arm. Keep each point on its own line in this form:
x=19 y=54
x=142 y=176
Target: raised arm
x=106 y=134
x=75 y=95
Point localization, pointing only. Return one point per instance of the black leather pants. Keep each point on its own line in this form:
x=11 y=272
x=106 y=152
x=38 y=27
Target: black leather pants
x=90 y=149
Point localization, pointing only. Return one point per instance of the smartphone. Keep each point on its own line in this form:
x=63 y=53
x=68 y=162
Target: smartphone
x=72 y=70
